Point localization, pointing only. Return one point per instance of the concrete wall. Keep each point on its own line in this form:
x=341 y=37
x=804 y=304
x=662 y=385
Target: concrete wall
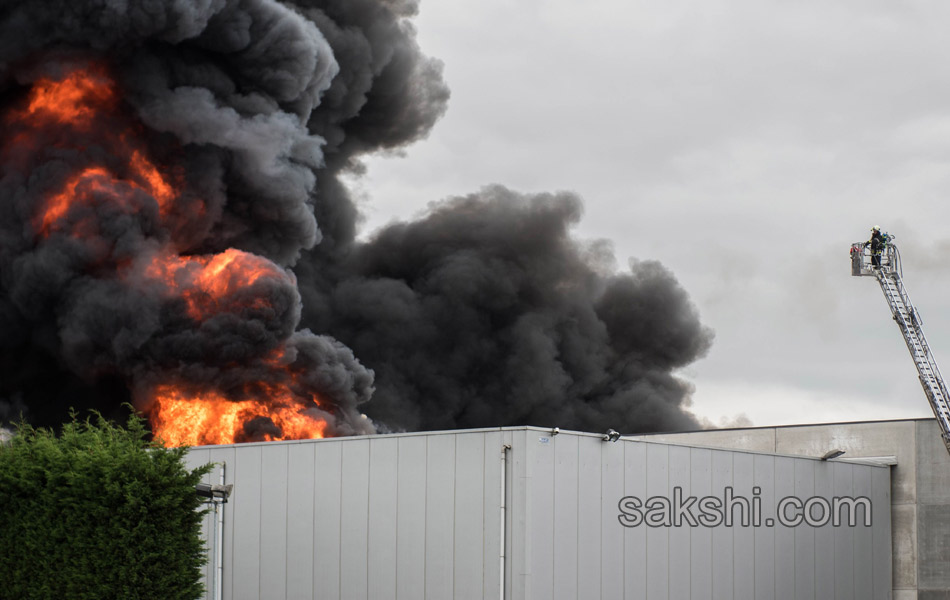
x=920 y=485
x=417 y=516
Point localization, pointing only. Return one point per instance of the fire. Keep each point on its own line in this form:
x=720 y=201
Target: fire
x=79 y=116
x=78 y=104
x=78 y=187
x=72 y=101
x=180 y=418
x=153 y=181
x=210 y=284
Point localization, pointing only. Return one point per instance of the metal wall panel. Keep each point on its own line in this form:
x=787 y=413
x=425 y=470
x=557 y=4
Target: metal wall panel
x=611 y=536
x=658 y=538
x=863 y=539
x=723 y=565
x=785 y=566
x=246 y=515
x=766 y=561
x=381 y=559
x=565 y=521
x=411 y=519
x=300 y=519
x=882 y=562
x=763 y=469
x=844 y=537
x=539 y=515
x=354 y=521
x=518 y=571
x=634 y=540
x=805 y=536
x=274 y=506
x=824 y=549
x=744 y=566
x=469 y=520
x=327 y=508
x=701 y=538
x=588 y=519
x=680 y=564
x=492 y=545
x=418 y=516
x=440 y=517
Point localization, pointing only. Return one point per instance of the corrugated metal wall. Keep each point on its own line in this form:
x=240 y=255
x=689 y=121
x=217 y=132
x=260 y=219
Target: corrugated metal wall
x=412 y=516
x=417 y=516
x=578 y=549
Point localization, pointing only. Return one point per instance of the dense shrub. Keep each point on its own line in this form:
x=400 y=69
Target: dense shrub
x=98 y=511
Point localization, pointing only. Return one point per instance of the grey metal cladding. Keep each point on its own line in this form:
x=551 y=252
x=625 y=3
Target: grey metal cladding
x=417 y=516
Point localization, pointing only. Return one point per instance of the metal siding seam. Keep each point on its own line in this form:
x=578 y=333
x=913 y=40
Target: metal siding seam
x=623 y=540
x=260 y=500
x=286 y=520
x=313 y=521
x=553 y=505
x=577 y=504
x=339 y=549
x=425 y=521
x=455 y=475
x=369 y=505
x=712 y=534
x=600 y=521
x=313 y=531
x=689 y=470
x=396 y=525
x=485 y=446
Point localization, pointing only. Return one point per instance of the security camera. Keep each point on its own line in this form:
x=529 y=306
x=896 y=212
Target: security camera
x=611 y=435
x=555 y=431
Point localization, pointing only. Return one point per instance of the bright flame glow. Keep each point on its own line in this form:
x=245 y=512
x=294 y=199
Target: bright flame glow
x=211 y=284
x=181 y=419
x=82 y=110
x=73 y=100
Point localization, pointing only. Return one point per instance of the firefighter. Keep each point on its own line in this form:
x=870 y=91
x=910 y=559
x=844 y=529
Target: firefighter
x=877 y=246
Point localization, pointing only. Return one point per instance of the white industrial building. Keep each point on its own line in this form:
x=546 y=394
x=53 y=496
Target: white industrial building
x=526 y=513
x=920 y=485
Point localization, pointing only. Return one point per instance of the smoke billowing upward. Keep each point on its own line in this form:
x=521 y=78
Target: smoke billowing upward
x=487 y=312
x=174 y=231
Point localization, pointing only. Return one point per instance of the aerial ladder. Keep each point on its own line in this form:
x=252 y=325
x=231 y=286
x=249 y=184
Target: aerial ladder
x=909 y=322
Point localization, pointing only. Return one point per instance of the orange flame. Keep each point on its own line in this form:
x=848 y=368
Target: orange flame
x=181 y=419
x=92 y=179
x=74 y=103
x=73 y=100
x=155 y=184
x=82 y=110
x=209 y=284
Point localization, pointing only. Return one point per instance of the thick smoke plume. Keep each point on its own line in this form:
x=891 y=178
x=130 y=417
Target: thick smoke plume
x=487 y=312
x=174 y=231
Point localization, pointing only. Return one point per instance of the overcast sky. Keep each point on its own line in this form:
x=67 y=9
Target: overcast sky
x=742 y=143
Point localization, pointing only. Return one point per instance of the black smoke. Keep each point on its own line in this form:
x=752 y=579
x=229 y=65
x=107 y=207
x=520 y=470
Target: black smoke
x=487 y=312
x=484 y=312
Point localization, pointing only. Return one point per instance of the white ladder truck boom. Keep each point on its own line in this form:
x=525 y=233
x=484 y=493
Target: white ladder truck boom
x=909 y=322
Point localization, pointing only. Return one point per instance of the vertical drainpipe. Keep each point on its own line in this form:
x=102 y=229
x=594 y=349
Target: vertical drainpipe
x=501 y=555
x=219 y=543
x=214 y=550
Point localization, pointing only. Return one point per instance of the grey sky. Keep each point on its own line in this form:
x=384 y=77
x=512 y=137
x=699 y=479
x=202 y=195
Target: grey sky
x=744 y=144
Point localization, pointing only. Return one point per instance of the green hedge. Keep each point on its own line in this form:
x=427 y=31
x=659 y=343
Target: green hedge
x=98 y=512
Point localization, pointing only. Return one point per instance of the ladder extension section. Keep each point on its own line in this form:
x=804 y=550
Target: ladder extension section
x=907 y=319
